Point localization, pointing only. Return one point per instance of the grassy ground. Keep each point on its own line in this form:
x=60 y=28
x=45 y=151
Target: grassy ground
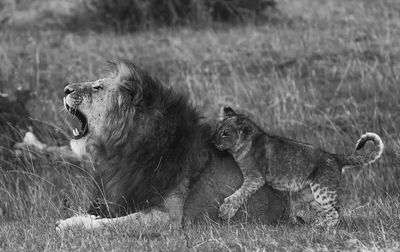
x=322 y=71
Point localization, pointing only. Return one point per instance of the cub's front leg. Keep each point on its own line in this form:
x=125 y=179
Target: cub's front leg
x=252 y=181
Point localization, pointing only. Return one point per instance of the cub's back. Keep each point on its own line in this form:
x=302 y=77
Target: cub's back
x=291 y=161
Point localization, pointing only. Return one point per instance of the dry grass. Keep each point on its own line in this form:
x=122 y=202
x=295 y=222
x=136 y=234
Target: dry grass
x=324 y=72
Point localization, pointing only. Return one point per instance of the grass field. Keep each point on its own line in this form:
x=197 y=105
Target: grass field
x=320 y=71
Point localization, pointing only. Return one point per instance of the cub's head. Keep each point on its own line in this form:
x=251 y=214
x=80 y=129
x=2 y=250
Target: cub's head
x=106 y=108
x=234 y=131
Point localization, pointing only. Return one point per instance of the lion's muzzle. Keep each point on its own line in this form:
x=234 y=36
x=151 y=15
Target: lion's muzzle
x=68 y=90
x=71 y=102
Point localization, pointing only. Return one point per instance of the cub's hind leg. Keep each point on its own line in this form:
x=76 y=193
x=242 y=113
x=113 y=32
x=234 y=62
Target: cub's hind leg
x=298 y=198
x=325 y=188
x=252 y=181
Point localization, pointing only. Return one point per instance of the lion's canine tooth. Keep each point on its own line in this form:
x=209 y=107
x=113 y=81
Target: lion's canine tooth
x=75 y=132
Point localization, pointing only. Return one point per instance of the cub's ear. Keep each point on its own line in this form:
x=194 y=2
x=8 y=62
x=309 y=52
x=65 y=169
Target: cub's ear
x=246 y=132
x=129 y=93
x=226 y=112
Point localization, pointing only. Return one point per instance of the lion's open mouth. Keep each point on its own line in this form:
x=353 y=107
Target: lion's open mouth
x=78 y=133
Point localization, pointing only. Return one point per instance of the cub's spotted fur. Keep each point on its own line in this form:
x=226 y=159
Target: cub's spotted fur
x=285 y=164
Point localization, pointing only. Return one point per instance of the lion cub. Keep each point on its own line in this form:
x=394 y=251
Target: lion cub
x=285 y=164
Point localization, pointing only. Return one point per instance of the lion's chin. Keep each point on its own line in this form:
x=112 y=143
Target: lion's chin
x=84 y=130
x=219 y=147
x=78 y=146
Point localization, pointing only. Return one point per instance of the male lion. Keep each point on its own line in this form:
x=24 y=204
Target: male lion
x=155 y=161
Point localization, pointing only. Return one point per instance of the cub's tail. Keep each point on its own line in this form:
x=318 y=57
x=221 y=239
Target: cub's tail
x=355 y=159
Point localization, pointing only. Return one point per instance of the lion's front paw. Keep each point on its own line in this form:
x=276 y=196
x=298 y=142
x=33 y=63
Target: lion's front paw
x=86 y=221
x=229 y=208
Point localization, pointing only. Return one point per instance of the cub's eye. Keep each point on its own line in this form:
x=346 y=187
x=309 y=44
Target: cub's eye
x=224 y=133
x=98 y=87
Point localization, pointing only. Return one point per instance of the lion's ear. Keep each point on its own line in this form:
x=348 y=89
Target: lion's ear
x=225 y=112
x=131 y=94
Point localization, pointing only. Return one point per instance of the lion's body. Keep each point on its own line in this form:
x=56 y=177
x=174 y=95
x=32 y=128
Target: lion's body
x=222 y=178
x=152 y=152
x=285 y=164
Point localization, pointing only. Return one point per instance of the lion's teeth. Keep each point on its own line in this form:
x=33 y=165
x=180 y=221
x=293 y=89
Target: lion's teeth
x=75 y=132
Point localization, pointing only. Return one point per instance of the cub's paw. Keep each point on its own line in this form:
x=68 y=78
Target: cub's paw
x=228 y=209
x=296 y=221
x=327 y=223
x=86 y=221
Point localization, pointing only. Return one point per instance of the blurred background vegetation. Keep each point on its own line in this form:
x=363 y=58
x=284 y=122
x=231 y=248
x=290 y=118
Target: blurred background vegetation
x=130 y=15
x=136 y=14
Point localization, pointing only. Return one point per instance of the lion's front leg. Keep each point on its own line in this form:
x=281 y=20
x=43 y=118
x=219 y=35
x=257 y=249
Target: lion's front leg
x=140 y=220
x=86 y=221
x=251 y=183
x=170 y=214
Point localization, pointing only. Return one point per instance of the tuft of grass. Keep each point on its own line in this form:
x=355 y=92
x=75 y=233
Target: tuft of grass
x=325 y=73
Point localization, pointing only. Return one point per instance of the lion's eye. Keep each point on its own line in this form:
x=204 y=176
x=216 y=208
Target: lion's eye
x=224 y=133
x=98 y=87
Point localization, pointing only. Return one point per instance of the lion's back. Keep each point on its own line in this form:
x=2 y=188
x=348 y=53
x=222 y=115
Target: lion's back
x=220 y=179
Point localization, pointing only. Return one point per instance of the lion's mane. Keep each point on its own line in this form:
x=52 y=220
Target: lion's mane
x=152 y=139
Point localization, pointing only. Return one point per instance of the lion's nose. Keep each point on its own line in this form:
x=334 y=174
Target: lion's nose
x=68 y=89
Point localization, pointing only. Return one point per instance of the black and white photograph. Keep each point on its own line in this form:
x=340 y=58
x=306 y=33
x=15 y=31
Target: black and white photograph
x=199 y=125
